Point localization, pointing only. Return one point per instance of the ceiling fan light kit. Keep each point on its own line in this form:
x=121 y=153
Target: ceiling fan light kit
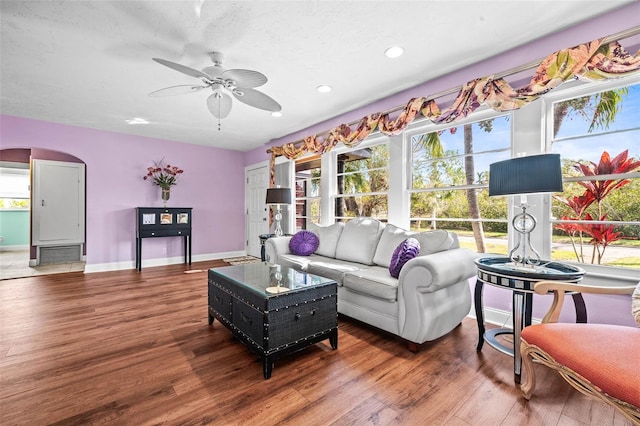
x=240 y=83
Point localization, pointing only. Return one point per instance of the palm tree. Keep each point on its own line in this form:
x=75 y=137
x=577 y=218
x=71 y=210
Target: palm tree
x=472 y=195
x=600 y=109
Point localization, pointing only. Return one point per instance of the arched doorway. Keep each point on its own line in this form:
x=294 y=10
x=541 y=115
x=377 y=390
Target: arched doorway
x=18 y=256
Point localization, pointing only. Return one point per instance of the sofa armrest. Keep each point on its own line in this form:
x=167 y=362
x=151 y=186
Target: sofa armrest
x=434 y=294
x=276 y=246
x=433 y=272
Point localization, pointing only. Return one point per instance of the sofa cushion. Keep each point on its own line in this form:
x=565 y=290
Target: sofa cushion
x=294 y=261
x=320 y=265
x=334 y=269
x=374 y=281
x=359 y=240
x=328 y=237
x=406 y=250
x=303 y=243
x=391 y=237
x=434 y=241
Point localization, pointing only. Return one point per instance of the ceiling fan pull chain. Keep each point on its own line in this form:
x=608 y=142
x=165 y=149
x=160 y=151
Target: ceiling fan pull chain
x=219 y=108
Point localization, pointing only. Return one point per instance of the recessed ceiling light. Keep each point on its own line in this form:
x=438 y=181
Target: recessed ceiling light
x=137 y=120
x=394 y=52
x=323 y=88
x=276 y=114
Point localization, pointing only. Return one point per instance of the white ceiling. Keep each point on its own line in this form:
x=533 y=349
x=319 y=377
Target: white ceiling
x=88 y=63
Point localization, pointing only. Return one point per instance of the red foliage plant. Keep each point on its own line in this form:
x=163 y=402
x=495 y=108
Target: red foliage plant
x=596 y=191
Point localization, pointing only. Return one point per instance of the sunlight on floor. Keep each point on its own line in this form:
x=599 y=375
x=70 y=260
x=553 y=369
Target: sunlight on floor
x=15 y=264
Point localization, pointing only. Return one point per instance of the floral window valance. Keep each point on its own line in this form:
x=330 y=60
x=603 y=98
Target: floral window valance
x=595 y=60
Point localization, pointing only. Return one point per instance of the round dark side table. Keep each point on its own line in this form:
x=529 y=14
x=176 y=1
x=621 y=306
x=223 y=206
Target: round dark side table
x=501 y=272
x=263 y=239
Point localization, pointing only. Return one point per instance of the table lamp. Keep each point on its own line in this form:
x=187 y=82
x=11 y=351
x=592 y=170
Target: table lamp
x=277 y=197
x=525 y=175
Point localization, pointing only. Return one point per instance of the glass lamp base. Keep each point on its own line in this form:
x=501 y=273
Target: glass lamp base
x=278 y=229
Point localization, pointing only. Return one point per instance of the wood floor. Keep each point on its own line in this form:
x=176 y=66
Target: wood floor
x=135 y=348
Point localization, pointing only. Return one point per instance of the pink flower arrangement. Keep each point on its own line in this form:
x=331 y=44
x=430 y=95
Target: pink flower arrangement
x=163 y=175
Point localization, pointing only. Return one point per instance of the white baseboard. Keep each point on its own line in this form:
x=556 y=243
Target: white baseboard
x=147 y=263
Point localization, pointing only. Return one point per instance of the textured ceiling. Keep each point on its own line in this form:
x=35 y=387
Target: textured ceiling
x=88 y=63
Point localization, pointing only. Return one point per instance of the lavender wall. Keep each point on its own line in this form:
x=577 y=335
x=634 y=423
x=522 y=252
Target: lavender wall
x=612 y=309
x=115 y=164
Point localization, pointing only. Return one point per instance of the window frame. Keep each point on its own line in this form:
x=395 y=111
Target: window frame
x=306 y=219
x=21 y=196
x=573 y=90
x=426 y=126
x=373 y=140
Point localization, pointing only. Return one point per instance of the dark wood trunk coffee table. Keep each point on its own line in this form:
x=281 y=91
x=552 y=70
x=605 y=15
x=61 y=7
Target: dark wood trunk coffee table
x=272 y=309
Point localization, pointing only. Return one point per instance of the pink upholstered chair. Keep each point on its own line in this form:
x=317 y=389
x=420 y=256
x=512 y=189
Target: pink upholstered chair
x=599 y=360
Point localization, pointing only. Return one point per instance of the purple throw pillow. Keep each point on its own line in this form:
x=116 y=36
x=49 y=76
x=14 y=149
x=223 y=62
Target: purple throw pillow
x=304 y=243
x=406 y=250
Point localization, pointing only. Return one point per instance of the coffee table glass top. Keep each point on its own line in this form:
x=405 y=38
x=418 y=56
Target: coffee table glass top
x=264 y=278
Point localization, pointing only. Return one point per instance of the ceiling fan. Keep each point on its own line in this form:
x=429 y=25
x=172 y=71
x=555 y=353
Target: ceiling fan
x=239 y=82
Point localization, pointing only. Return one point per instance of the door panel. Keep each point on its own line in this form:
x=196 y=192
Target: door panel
x=58 y=203
x=257 y=213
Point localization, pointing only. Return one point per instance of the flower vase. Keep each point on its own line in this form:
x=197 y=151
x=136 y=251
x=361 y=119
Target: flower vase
x=166 y=194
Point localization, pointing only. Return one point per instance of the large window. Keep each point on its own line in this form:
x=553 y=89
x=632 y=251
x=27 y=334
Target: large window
x=449 y=180
x=597 y=217
x=363 y=183
x=437 y=176
x=308 y=195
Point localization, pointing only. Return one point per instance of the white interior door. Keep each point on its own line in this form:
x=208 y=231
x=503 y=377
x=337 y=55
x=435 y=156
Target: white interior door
x=257 y=214
x=58 y=203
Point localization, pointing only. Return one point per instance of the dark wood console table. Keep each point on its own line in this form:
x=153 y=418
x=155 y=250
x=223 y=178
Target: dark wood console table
x=153 y=222
x=499 y=272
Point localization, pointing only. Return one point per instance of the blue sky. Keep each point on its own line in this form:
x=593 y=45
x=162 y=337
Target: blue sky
x=591 y=148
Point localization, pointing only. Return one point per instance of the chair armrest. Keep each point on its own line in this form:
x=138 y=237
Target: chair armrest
x=543 y=287
x=559 y=288
x=276 y=246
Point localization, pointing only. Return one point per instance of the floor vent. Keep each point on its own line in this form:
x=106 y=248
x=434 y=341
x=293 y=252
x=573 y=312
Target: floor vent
x=60 y=254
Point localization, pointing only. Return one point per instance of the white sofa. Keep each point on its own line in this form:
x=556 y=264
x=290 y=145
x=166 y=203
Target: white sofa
x=430 y=297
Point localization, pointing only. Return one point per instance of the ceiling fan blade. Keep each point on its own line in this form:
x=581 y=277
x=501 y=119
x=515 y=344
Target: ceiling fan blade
x=257 y=99
x=219 y=104
x=183 y=69
x=245 y=78
x=176 y=90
